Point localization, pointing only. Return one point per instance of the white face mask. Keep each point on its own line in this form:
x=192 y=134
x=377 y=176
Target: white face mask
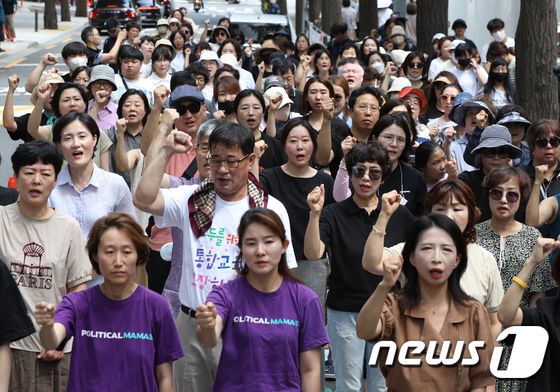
x=499 y=35
x=76 y=62
x=398 y=40
x=413 y=78
x=378 y=67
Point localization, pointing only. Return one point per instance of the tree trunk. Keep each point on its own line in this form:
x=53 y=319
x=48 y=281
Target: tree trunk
x=283 y=7
x=331 y=14
x=314 y=11
x=81 y=8
x=368 y=17
x=64 y=10
x=431 y=19
x=537 y=86
x=49 y=18
x=300 y=4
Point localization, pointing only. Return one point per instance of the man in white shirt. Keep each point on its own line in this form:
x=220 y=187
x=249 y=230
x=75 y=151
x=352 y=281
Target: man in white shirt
x=208 y=214
x=497 y=29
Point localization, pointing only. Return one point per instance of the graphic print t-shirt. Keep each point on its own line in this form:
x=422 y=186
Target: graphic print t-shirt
x=118 y=344
x=264 y=333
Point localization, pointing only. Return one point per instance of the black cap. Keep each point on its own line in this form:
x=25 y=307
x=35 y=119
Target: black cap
x=459 y=22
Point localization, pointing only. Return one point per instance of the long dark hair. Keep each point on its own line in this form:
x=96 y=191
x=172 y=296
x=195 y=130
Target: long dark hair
x=272 y=221
x=410 y=294
x=491 y=83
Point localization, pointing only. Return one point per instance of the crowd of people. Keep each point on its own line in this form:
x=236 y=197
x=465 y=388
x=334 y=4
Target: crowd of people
x=212 y=215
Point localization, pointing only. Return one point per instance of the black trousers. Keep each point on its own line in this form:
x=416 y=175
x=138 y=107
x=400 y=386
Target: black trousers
x=158 y=271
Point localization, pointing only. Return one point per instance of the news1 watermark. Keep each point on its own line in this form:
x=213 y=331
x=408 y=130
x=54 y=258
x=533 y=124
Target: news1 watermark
x=526 y=356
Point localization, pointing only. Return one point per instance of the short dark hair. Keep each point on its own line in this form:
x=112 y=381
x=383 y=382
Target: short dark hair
x=462 y=50
x=148 y=38
x=55 y=103
x=132 y=25
x=197 y=69
x=79 y=70
x=505 y=173
x=495 y=24
x=86 y=32
x=172 y=38
x=122 y=222
x=229 y=83
x=232 y=135
x=378 y=94
x=248 y=93
x=84 y=118
x=296 y=122
x=410 y=294
x=282 y=67
x=338 y=28
x=423 y=153
x=181 y=78
x=401 y=121
x=162 y=53
x=74 y=48
x=128 y=52
x=444 y=192
x=142 y=96
x=36 y=151
x=226 y=68
x=368 y=152
x=238 y=51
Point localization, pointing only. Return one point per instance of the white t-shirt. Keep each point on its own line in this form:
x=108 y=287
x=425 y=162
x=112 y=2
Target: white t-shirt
x=510 y=43
x=468 y=80
x=210 y=259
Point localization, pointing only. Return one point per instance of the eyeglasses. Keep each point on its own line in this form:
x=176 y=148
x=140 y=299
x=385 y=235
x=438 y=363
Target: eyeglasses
x=542 y=142
x=338 y=97
x=193 y=108
x=231 y=163
x=365 y=108
x=373 y=173
x=502 y=153
x=102 y=84
x=498 y=194
x=390 y=139
x=416 y=65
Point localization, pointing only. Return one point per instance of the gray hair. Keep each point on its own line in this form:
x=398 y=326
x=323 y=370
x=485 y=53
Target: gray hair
x=206 y=128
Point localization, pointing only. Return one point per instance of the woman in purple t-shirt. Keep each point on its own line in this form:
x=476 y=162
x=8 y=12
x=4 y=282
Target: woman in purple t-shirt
x=124 y=334
x=271 y=325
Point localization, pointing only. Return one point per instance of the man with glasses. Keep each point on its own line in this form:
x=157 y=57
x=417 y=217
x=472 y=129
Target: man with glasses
x=495 y=150
x=101 y=108
x=209 y=215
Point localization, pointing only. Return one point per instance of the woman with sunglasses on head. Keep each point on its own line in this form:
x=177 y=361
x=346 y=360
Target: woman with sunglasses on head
x=448 y=94
x=511 y=243
x=432 y=306
x=434 y=91
x=341 y=230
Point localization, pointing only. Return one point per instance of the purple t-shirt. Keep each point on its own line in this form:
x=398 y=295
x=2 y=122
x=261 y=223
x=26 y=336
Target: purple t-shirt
x=118 y=344
x=264 y=333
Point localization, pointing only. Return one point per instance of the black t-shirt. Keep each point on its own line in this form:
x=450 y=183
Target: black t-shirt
x=16 y=323
x=344 y=229
x=21 y=132
x=292 y=192
x=273 y=156
x=410 y=183
x=545 y=315
x=92 y=56
x=109 y=43
x=474 y=180
x=8 y=196
x=297 y=97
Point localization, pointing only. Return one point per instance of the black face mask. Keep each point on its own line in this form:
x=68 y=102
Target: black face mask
x=499 y=77
x=226 y=106
x=464 y=63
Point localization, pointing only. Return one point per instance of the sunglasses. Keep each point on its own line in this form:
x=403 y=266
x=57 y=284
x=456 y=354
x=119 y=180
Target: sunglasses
x=221 y=33
x=541 y=142
x=193 y=108
x=502 y=153
x=338 y=97
x=416 y=65
x=359 y=172
x=498 y=194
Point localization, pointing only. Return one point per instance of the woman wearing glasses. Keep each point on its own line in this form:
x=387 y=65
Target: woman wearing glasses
x=413 y=68
x=511 y=243
x=341 y=230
